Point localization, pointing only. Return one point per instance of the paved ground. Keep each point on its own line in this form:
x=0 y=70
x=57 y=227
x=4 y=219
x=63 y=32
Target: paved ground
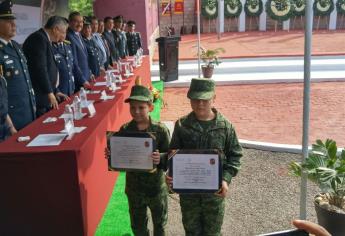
x=272 y=112
x=263 y=44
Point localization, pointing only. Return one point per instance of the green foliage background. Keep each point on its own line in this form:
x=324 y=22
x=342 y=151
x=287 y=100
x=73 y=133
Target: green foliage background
x=85 y=7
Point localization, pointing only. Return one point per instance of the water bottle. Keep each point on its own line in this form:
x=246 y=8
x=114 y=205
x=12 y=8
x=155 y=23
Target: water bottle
x=108 y=79
x=77 y=108
x=68 y=118
x=83 y=97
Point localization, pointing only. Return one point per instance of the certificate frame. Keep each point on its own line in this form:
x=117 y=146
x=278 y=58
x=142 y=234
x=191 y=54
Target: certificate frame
x=128 y=136
x=171 y=173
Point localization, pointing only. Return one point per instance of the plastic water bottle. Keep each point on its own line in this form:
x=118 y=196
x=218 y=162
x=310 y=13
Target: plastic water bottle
x=108 y=79
x=77 y=108
x=68 y=118
x=83 y=97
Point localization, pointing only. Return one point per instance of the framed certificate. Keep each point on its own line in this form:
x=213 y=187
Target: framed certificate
x=195 y=171
x=131 y=151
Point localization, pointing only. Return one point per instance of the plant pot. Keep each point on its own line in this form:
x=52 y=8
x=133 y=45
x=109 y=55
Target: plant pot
x=332 y=221
x=207 y=71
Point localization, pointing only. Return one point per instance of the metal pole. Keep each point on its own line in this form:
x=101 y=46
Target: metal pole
x=218 y=19
x=306 y=103
x=198 y=46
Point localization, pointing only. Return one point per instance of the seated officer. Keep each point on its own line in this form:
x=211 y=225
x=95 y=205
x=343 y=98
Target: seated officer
x=133 y=39
x=21 y=97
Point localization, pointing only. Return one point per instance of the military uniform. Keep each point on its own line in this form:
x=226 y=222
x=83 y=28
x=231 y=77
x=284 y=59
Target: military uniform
x=121 y=43
x=4 y=129
x=21 y=97
x=202 y=214
x=93 y=56
x=133 y=42
x=148 y=189
x=64 y=61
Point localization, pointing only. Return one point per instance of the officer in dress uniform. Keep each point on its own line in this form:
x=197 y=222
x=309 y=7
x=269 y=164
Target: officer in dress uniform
x=65 y=62
x=133 y=39
x=120 y=37
x=93 y=52
x=21 y=97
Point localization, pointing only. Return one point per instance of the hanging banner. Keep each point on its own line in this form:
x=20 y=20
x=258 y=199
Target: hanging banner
x=166 y=8
x=179 y=7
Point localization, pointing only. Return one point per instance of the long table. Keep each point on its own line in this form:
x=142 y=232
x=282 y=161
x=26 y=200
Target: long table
x=62 y=190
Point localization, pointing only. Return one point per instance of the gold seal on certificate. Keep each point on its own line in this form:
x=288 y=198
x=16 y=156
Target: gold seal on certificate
x=195 y=171
x=131 y=151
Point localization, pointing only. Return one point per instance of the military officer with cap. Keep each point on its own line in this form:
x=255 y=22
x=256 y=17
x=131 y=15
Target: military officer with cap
x=65 y=62
x=133 y=39
x=21 y=99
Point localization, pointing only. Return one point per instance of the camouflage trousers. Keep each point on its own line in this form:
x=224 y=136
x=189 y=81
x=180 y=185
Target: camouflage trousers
x=202 y=215
x=158 y=206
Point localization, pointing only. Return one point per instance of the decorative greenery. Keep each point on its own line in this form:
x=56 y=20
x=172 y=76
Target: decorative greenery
x=341 y=7
x=232 y=8
x=323 y=7
x=326 y=167
x=253 y=7
x=210 y=56
x=299 y=7
x=280 y=10
x=85 y=7
x=209 y=9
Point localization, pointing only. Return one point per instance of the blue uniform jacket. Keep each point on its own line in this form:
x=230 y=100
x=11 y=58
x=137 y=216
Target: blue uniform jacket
x=65 y=62
x=93 y=56
x=81 y=71
x=21 y=96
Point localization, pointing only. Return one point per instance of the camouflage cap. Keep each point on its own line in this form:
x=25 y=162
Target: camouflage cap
x=140 y=93
x=201 y=89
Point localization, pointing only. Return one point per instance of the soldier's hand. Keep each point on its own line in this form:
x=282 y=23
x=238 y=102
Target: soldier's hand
x=62 y=97
x=106 y=153
x=156 y=157
x=92 y=78
x=86 y=84
x=52 y=100
x=224 y=190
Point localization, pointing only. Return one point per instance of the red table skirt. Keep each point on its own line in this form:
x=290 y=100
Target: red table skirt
x=62 y=190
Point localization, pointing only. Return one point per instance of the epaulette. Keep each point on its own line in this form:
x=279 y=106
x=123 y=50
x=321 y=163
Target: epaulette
x=67 y=42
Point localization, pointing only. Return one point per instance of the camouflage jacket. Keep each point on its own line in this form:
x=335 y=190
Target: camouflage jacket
x=149 y=183
x=220 y=134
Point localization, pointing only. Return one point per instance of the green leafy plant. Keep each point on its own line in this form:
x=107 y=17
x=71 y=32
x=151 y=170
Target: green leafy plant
x=325 y=166
x=210 y=56
x=85 y=7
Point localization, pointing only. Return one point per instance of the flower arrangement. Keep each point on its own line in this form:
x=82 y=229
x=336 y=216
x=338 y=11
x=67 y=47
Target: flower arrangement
x=253 y=7
x=156 y=94
x=299 y=7
x=209 y=9
x=341 y=7
x=323 y=7
x=232 y=8
x=280 y=10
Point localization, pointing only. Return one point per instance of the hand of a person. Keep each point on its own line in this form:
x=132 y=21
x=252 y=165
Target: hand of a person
x=62 y=97
x=156 y=157
x=92 y=78
x=102 y=72
x=224 y=190
x=106 y=153
x=169 y=181
x=52 y=100
x=311 y=227
x=13 y=130
x=87 y=84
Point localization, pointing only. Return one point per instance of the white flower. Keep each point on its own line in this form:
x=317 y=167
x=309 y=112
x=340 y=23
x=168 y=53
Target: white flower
x=210 y=11
x=280 y=12
x=323 y=9
x=253 y=9
x=231 y=10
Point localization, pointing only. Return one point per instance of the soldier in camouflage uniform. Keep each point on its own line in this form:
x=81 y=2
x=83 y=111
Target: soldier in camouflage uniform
x=206 y=128
x=147 y=189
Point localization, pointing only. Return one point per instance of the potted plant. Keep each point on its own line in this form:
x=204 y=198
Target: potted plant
x=326 y=167
x=210 y=58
